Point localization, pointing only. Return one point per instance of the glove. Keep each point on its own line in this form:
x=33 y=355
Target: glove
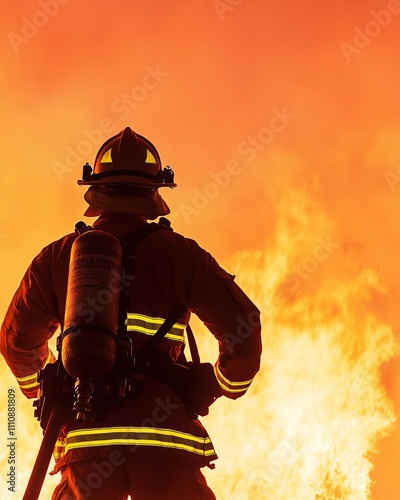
x=202 y=388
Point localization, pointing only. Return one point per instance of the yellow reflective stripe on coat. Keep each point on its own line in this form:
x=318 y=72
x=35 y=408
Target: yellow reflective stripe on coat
x=136 y=436
x=229 y=385
x=59 y=448
x=30 y=381
x=149 y=326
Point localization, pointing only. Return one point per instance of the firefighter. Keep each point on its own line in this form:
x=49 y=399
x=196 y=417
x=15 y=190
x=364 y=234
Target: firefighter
x=149 y=446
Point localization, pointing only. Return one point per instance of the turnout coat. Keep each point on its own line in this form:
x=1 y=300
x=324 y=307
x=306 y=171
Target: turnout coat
x=170 y=270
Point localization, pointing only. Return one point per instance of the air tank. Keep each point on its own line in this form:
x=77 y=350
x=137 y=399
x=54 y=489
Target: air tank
x=92 y=305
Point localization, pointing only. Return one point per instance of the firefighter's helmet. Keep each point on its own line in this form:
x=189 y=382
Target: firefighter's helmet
x=128 y=158
x=126 y=176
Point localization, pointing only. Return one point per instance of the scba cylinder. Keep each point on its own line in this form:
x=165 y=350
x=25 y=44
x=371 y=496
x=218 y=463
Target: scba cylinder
x=92 y=305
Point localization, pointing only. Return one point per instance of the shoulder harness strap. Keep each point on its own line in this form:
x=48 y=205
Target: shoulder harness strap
x=129 y=242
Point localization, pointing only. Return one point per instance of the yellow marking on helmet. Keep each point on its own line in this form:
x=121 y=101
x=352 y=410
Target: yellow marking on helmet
x=150 y=158
x=106 y=158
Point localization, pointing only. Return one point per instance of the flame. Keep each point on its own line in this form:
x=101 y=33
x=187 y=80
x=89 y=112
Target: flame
x=310 y=424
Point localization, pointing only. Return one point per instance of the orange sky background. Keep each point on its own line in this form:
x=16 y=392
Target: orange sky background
x=203 y=78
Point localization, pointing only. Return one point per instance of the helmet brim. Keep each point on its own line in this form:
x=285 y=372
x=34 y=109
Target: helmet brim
x=133 y=180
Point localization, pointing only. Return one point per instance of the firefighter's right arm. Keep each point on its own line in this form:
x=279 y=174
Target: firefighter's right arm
x=28 y=324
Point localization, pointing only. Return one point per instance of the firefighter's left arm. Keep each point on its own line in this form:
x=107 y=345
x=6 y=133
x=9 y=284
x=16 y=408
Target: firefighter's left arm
x=28 y=324
x=233 y=319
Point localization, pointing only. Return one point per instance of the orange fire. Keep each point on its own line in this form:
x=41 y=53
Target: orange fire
x=309 y=426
